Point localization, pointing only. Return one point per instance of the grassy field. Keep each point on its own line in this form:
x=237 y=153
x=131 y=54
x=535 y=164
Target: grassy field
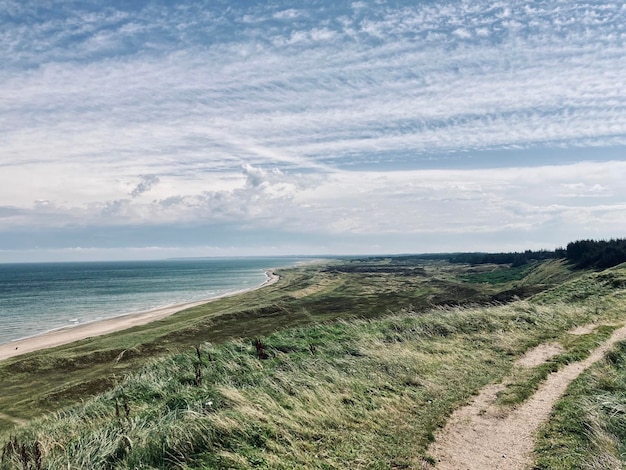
x=42 y=382
x=351 y=364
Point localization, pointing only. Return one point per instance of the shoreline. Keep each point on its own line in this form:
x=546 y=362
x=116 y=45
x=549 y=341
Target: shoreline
x=70 y=334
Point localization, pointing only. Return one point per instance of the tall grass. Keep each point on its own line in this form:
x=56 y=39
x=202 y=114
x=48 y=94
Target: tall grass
x=345 y=394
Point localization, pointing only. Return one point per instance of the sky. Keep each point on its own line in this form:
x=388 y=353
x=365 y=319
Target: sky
x=156 y=129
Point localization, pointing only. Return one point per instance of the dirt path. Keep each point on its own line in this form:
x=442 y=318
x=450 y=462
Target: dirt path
x=481 y=436
x=17 y=421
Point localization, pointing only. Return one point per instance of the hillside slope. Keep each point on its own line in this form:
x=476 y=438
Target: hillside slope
x=366 y=393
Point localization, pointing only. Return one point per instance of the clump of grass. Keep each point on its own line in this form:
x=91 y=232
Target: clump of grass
x=22 y=454
x=587 y=429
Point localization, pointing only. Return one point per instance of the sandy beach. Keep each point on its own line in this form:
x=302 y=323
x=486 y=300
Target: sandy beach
x=110 y=325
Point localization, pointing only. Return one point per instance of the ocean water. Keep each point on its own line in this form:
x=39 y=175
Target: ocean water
x=39 y=297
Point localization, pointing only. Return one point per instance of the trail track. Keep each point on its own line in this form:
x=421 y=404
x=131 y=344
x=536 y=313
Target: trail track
x=17 y=421
x=482 y=436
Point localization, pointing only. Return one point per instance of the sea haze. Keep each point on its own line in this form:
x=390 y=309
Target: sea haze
x=39 y=297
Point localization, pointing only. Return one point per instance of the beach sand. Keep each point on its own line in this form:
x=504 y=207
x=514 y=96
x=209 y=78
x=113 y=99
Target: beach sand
x=110 y=325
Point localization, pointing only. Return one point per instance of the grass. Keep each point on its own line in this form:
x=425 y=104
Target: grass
x=592 y=288
x=587 y=429
x=498 y=274
x=308 y=384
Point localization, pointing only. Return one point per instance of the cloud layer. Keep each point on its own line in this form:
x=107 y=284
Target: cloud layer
x=361 y=120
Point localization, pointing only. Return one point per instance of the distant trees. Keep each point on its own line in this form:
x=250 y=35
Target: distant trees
x=599 y=254
x=513 y=258
x=595 y=254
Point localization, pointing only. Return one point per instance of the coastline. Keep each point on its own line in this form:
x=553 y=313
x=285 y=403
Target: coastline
x=82 y=331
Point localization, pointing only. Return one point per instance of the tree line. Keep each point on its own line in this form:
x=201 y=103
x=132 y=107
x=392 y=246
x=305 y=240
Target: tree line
x=513 y=258
x=598 y=254
x=595 y=254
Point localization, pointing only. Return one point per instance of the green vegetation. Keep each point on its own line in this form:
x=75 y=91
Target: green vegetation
x=499 y=275
x=587 y=429
x=349 y=364
x=591 y=289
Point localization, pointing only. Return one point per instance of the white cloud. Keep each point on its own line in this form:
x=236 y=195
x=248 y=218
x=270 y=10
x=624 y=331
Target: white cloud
x=462 y=33
x=288 y=14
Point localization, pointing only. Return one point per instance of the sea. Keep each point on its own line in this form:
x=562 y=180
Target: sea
x=39 y=297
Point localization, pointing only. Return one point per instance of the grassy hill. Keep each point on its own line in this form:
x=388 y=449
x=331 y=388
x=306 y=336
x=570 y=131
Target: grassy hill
x=349 y=364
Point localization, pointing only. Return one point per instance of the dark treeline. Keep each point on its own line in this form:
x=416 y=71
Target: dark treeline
x=599 y=254
x=515 y=258
x=596 y=254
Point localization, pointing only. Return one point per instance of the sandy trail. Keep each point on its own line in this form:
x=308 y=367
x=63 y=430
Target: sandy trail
x=111 y=325
x=480 y=436
x=17 y=421
x=539 y=355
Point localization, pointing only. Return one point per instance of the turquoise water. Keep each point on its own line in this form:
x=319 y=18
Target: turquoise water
x=39 y=297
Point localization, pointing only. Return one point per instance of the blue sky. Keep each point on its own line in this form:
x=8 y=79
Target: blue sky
x=152 y=129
